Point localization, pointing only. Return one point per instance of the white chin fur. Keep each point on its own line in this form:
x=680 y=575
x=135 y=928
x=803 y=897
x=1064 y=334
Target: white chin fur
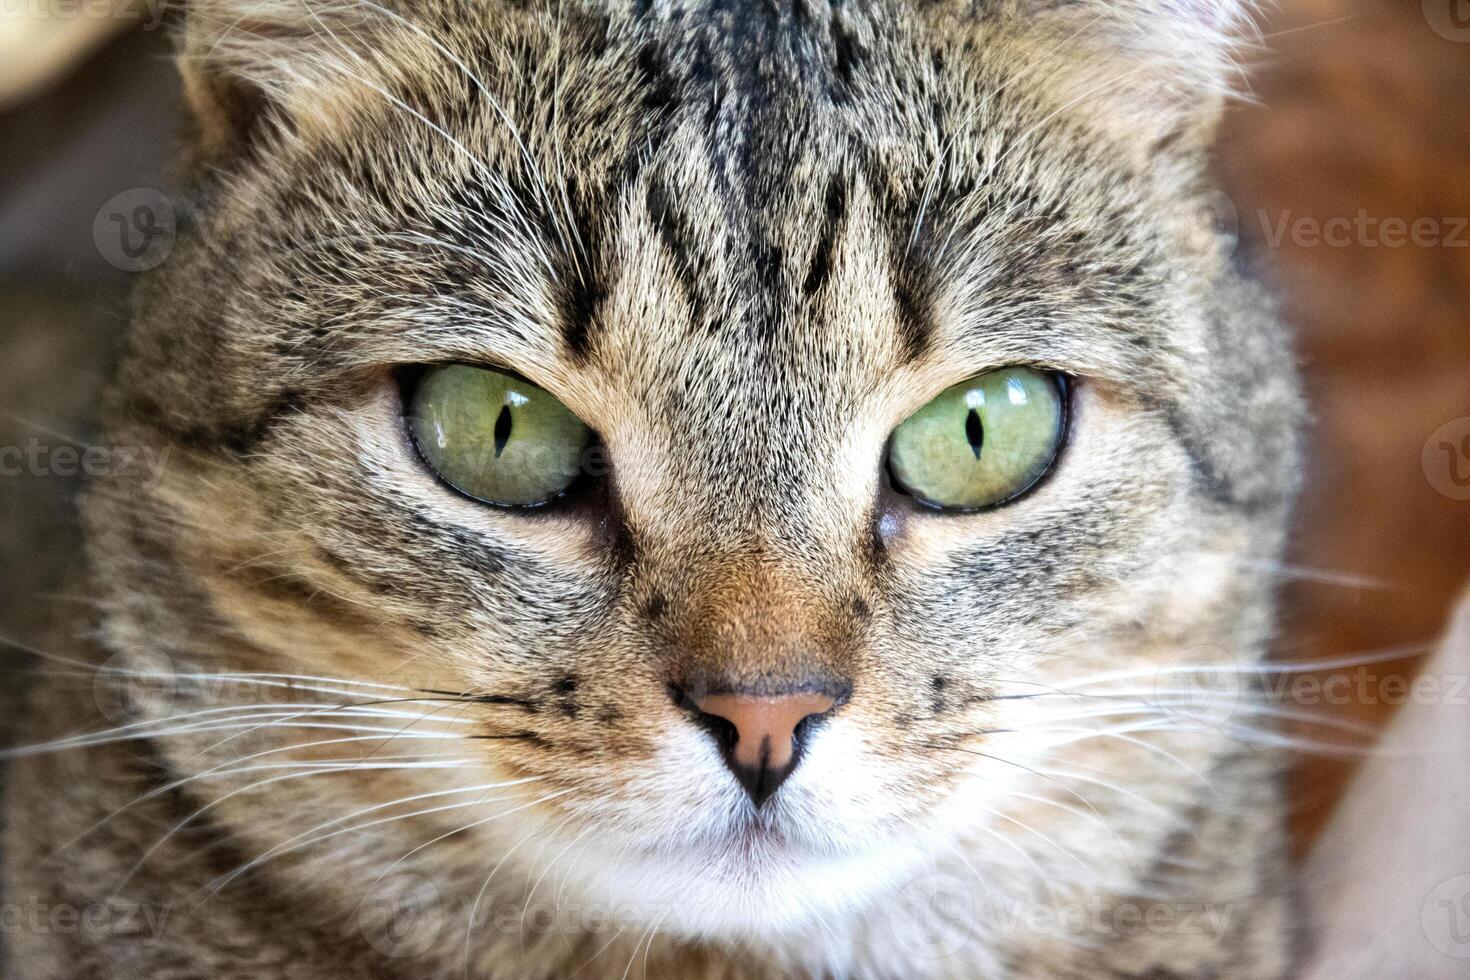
x=733 y=897
x=688 y=860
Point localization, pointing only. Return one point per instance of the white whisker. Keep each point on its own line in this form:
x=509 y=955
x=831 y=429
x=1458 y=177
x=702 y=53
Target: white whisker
x=305 y=838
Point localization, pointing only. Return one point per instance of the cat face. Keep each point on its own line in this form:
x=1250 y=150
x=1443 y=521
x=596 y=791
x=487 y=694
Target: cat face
x=742 y=244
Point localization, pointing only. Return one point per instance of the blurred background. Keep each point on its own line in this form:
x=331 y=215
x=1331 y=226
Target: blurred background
x=1347 y=178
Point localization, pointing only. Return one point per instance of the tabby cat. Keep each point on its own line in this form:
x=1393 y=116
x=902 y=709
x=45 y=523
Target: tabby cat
x=684 y=488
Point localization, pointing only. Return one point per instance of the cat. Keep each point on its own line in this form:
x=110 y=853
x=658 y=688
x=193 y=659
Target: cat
x=685 y=488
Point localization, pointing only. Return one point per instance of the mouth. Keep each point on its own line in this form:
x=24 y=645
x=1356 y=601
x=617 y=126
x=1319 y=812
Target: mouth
x=757 y=835
x=749 y=839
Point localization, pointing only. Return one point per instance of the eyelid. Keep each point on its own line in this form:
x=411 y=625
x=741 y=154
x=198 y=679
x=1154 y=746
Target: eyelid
x=417 y=369
x=409 y=374
x=908 y=391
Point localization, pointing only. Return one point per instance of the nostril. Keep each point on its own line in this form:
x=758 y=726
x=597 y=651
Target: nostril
x=759 y=735
x=805 y=726
x=723 y=731
x=720 y=729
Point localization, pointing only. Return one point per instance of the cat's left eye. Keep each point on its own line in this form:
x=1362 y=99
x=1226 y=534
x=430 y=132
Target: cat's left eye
x=983 y=442
x=496 y=437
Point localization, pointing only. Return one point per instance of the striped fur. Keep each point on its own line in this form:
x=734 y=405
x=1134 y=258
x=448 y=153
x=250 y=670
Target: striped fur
x=742 y=239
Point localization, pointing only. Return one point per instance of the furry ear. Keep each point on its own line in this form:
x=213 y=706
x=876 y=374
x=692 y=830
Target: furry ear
x=253 y=69
x=1156 y=69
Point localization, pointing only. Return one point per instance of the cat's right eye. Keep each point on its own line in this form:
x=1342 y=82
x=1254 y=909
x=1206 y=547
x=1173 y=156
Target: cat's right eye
x=496 y=437
x=982 y=442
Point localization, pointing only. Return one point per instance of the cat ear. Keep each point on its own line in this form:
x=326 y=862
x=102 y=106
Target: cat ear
x=1157 y=69
x=253 y=68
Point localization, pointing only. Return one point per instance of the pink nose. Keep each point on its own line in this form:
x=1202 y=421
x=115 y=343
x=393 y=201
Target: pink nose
x=760 y=734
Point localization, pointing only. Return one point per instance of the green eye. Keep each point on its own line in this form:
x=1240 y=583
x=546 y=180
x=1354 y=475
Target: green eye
x=981 y=442
x=495 y=437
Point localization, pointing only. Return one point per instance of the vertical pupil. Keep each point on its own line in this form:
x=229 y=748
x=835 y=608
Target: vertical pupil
x=503 y=423
x=974 y=431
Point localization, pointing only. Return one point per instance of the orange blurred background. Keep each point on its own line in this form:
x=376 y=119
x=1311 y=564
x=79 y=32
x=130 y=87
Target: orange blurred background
x=1362 y=112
